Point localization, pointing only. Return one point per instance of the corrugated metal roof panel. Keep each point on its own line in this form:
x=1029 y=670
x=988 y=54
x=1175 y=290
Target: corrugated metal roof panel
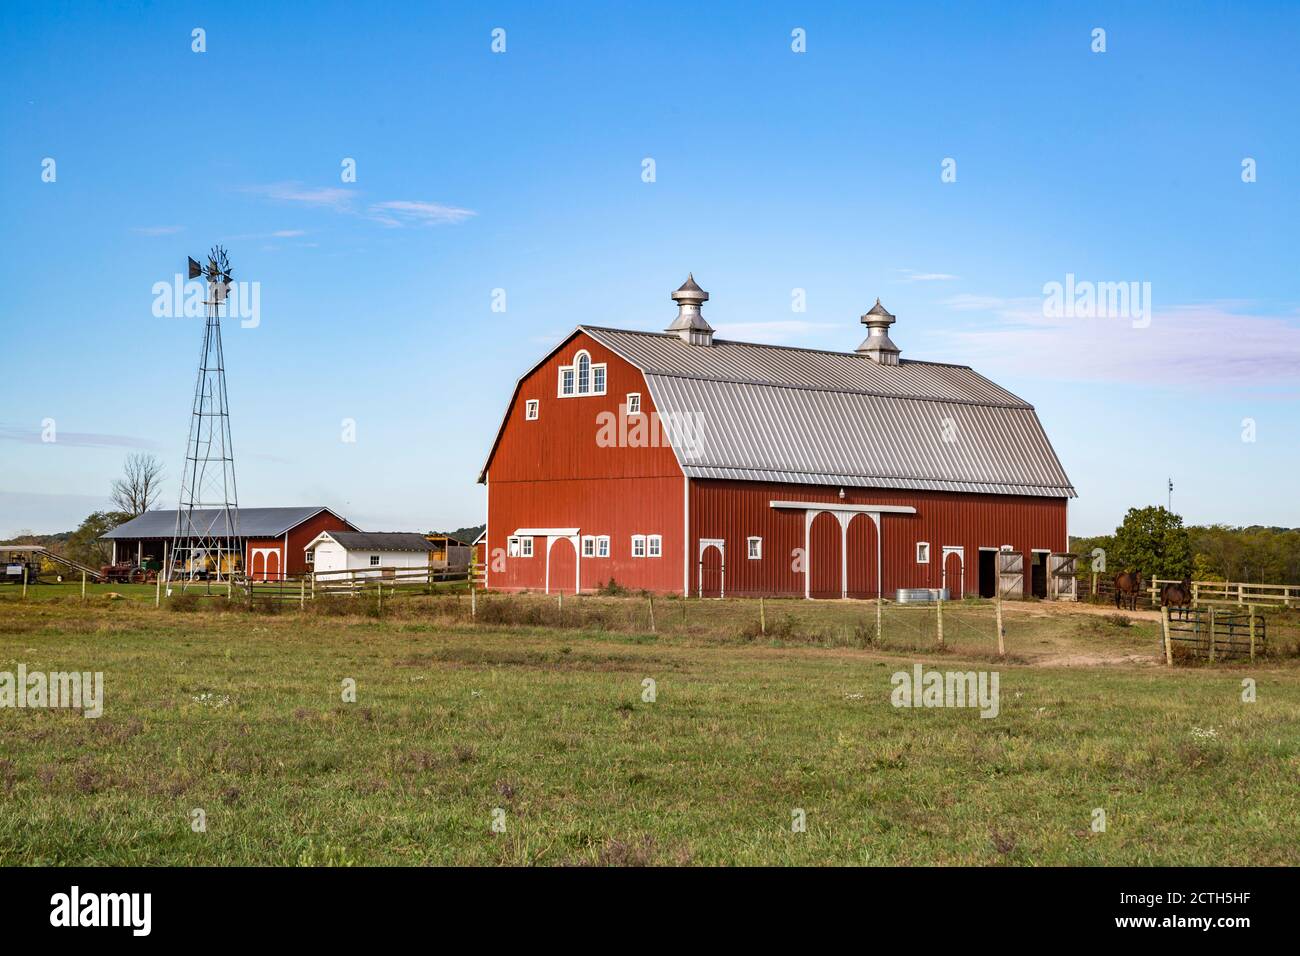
x=757 y=432
x=724 y=360
x=252 y=522
x=381 y=540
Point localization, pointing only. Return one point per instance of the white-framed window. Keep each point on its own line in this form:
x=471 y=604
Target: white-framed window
x=755 y=546
x=922 y=552
x=583 y=377
x=311 y=556
x=374 y=560
x=655 y=545
x=602 y=546
x=634 y=403
x=526 y=547
x=588 y=546
x=638 y=546
x=531 y=408
x=512 y=546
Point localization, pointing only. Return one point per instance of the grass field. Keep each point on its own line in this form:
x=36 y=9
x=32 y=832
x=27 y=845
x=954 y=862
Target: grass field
x=240 y=714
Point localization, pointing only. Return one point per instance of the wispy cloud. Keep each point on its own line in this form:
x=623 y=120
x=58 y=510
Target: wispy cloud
x=34 y=435
x=157 y=230
x=1194 y=345
x=399 y=212
x=393 y=213
x=911 y=275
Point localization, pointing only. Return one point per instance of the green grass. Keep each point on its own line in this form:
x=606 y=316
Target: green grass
x=454 y=720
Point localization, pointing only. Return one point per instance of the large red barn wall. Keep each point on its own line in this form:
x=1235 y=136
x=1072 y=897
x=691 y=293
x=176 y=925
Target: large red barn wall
x=299 y=538
x=735 y=510
x=552 y=473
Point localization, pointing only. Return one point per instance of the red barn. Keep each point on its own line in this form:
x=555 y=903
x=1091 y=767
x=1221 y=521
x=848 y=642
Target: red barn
x=676 y=462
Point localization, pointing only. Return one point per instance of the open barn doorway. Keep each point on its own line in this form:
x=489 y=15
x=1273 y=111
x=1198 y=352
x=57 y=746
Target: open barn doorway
x=988 y=572
x=1038 y=574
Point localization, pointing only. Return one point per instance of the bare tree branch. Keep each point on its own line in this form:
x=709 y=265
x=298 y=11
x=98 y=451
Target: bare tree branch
x=137 y=490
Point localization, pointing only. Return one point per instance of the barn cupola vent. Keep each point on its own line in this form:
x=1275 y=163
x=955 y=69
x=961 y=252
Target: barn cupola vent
x=689 y=326
x=877 y=345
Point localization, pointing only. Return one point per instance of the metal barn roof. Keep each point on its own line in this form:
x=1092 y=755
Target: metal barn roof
x=751 y=412
x=251 y=522
x=381 y=540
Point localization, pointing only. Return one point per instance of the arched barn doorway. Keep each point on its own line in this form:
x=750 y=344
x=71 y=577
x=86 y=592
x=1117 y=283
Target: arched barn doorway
x=860 y=553
x=561 y=566
x=711 y=558
x=954 y=573
x=824 y=560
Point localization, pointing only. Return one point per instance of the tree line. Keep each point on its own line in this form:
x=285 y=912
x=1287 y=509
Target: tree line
x=1155 y=541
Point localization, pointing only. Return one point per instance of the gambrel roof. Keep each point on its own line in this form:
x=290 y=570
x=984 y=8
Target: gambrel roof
x=740 y=410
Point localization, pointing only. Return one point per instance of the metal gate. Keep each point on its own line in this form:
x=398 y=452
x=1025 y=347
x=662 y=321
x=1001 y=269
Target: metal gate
x=1011 y=574
x=1062 y=583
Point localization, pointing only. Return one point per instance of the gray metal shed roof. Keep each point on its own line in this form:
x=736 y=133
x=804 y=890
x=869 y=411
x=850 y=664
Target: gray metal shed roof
x=753 y=412
x=251 y=522
x=381 y=540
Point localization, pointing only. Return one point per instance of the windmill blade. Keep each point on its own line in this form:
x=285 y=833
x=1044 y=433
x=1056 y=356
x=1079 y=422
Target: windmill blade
x=196 y=270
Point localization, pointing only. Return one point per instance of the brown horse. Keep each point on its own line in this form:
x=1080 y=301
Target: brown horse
x=1127 y=586
x=1177 y=595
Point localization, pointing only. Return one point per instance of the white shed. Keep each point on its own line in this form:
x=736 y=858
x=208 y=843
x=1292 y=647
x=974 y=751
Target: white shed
x=368 y=550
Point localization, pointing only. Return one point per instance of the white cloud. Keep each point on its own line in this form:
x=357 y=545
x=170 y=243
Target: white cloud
x=331 y=197
x=398 y=212
x=1188 y=345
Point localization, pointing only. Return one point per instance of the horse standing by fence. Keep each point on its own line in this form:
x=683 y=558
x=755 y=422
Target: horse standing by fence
x=1177 y=595
x=1127 y=586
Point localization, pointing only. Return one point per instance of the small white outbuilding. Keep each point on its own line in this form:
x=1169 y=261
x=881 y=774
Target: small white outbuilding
x=375 y=551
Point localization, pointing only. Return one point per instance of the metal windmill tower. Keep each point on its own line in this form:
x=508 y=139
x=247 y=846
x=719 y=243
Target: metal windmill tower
x=206 y=542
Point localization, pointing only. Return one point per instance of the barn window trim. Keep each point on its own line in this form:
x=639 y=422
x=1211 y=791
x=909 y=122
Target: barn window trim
x=602 y=546
x=526 y=546
x=634 y=403
x=754 y=547
x=582 y=377
x=638 y=546
x=311 y=556
x=655 y=546
x=374 y=560
x=923 y=552
x=588 y=546
x=532 y=409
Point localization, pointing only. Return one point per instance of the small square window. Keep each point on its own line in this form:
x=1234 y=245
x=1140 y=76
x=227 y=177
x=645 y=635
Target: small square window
x=566 y=380
x=638 y=546
x=598 y=379
x=526 y=547
x=588 y=546
x=513 y=547
x=655 y=544
x=311 y=555
x=755 y=548
x=633 y=403
x=374 y=560
x=922 y=552
x=602 y=546
x=530 y=409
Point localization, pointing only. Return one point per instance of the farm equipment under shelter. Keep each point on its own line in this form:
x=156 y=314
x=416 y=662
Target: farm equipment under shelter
x=25 y=561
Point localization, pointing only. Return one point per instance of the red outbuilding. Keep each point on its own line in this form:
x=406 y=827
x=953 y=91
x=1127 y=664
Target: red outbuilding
x=677 y=462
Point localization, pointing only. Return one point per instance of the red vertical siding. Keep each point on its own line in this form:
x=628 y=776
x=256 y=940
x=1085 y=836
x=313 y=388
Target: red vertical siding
x=555 y=472
x=734 y=510
x=295 y=562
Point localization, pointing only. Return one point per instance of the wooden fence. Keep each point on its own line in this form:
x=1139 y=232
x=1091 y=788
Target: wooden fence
x=353 y=582
x=1215 y=634
x=1234 y=592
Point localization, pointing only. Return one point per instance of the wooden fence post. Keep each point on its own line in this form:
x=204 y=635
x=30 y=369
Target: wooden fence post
x=762 y=617
x=1211 y=635
x=302 y=593
x=880 y=636
x=83 y=587
x=652 y=614
x=157 y=593
x=1002 y=647
x=473 y=602
x=1252 y=632
x=24 y=582
x=1164 y=629
x=938 y=612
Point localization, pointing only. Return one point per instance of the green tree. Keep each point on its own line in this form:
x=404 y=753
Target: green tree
x=84 y=545
x=1152 y=540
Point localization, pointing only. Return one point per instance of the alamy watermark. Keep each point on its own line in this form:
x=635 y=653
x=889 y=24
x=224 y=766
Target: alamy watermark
x=922 y=688
x=1082 y=299
x=71 y=690
x=179 y=299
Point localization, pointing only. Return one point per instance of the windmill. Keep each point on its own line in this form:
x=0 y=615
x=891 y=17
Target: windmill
x=206 y=542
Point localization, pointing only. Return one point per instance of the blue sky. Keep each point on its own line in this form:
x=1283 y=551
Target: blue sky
x=522 y=170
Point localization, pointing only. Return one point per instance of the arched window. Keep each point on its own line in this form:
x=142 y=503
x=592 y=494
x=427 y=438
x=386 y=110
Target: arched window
x=584 y=373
